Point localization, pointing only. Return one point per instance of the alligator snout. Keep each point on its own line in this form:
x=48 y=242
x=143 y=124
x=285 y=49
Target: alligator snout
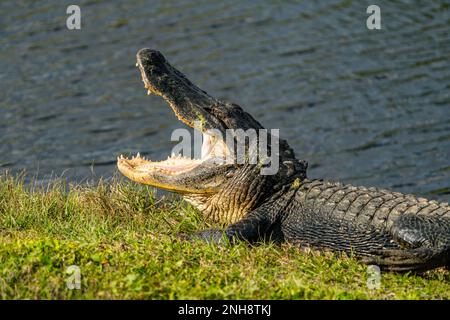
x=150 y=56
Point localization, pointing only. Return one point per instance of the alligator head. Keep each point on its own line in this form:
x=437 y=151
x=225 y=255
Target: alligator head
x=222 y=187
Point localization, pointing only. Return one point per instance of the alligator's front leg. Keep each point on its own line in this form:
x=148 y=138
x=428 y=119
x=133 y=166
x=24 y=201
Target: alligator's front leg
x=253 y=227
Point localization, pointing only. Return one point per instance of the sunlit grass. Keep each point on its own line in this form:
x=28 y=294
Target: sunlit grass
x=122 y=236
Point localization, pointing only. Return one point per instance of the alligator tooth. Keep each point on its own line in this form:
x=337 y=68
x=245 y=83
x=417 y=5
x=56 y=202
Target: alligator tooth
x=138 y=155
x=149 y=92
x=137 y=64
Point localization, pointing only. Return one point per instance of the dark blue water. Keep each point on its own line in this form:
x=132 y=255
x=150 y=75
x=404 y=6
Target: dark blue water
x=367 y=107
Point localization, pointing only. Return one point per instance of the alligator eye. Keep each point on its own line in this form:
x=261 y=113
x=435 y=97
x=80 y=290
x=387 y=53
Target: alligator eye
x=290 y=167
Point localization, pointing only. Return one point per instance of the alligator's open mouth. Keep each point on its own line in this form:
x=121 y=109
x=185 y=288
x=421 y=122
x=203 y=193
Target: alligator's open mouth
x=188 y=102
x=214 y=151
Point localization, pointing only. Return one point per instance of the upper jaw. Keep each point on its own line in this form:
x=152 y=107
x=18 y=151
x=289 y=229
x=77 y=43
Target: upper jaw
x=190 y=104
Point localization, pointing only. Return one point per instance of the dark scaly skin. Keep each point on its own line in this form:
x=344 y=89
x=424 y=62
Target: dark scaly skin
x=395 y=231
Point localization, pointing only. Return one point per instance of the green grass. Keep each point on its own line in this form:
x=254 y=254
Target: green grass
x=123 y=239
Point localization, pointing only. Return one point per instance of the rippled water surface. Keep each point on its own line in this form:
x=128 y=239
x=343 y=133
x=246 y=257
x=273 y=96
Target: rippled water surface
x=367 y=107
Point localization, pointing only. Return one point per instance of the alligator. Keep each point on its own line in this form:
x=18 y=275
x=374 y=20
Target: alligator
x=397 y=232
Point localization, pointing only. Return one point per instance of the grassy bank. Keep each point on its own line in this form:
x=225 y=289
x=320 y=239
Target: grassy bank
x=123 y=239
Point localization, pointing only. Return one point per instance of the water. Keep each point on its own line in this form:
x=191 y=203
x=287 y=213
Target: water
x=367 y=107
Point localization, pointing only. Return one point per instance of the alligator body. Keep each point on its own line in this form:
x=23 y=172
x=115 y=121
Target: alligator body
x=395 y=231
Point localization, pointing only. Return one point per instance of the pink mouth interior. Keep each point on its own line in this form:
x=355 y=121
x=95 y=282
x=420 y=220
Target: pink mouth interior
x=174 y=164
